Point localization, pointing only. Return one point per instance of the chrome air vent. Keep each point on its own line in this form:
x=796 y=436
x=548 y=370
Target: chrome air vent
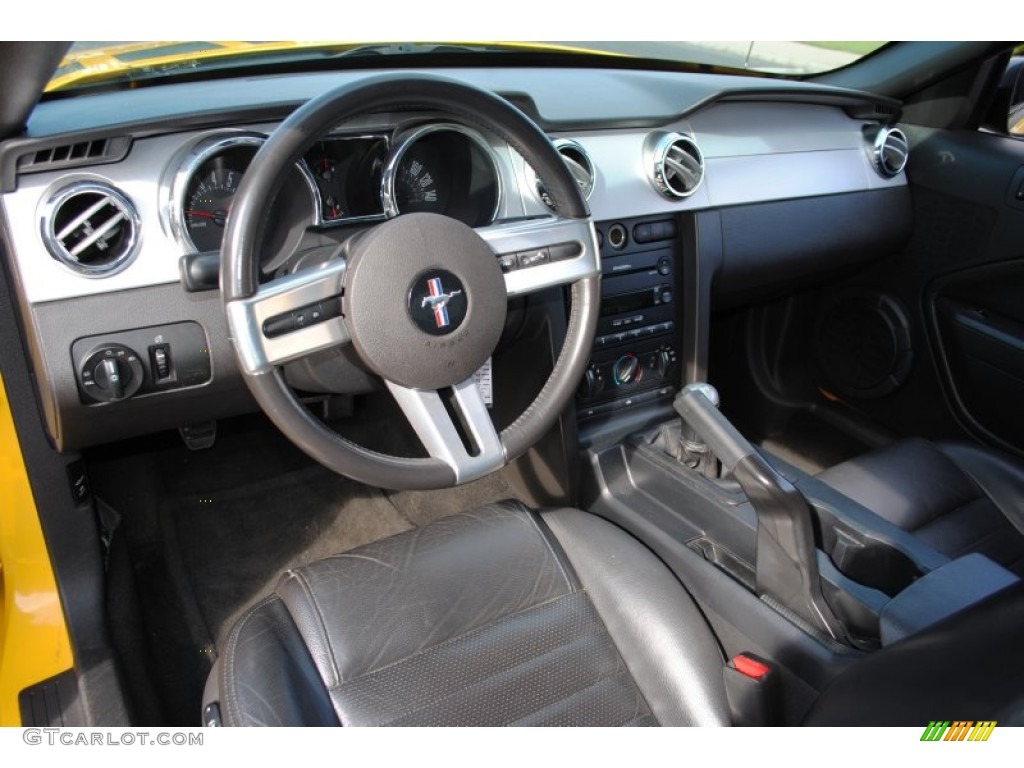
x=579 y=164
x=890 y=151
x=674 y=164
x=90 y=227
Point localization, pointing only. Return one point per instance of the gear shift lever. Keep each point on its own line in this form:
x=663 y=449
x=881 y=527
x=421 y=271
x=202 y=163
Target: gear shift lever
x=786 y=559
x=694 y=452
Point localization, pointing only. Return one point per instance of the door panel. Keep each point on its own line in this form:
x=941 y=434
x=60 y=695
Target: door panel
x=959 y=285
x=971 y=287
x=978 y=322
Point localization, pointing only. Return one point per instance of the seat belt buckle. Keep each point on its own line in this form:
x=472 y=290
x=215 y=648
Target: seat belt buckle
x=751 y=686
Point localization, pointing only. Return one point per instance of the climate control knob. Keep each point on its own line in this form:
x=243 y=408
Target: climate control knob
x=592 y=383
x=627 y=370
x=663 y=361
x=111 y=373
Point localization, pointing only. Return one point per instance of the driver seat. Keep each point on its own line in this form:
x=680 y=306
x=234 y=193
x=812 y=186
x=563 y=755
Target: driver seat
x=500 y=616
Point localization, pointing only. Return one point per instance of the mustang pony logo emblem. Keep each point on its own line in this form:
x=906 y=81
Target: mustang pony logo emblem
x=438 y=301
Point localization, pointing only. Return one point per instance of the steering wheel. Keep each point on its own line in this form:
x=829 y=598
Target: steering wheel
x=423 y=297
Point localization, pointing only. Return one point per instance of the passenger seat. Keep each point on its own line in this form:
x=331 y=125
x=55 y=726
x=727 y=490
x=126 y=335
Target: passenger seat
x=956 y=497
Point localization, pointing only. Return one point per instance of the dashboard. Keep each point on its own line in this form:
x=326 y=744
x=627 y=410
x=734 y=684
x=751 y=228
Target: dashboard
x=115 y=206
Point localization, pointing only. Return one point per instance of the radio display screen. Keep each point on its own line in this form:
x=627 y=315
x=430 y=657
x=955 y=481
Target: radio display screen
x=627 y=302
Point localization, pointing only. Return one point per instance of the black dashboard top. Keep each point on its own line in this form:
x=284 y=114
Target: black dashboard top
x=558 y=99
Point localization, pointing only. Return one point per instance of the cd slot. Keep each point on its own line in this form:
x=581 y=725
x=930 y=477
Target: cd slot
x=616 y=286
x=650 y=262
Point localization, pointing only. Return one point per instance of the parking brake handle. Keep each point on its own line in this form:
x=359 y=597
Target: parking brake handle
x=786 y=564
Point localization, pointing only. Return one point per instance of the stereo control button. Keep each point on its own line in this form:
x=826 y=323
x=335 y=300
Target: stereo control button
x=533 y=258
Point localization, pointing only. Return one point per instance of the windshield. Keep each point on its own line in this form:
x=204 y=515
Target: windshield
x=91 y=63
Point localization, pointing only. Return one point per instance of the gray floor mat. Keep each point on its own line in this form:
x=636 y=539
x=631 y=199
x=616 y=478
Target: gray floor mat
x=235 y=543
x=209 y=534
x=422 y=507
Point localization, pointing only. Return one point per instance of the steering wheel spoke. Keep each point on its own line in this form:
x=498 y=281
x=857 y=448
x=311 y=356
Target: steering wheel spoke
x=289 y=318
x=541 y=253
x=472 y=448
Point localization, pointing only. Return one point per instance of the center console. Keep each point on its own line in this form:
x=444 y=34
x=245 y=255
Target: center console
x=635 y=360
x=782 y=565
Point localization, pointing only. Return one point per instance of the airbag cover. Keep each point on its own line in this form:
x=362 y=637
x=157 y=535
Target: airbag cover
x=425 y=300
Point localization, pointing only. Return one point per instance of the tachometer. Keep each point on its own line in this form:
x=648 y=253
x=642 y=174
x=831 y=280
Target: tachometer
x=209 y=195
x=205 y=188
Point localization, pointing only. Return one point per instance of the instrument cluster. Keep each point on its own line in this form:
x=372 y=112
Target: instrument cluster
x=442 y=168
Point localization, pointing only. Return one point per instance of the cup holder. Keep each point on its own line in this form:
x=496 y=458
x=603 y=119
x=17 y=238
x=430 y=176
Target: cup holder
x=862 y=557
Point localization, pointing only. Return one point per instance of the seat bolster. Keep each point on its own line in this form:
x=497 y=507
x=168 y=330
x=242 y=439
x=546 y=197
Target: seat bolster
x=281 y=684
x=999 y=476
x=909 y=483
x=661 y=635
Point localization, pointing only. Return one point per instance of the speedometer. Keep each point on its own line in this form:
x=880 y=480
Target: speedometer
x=442 y=168
x=421 y=183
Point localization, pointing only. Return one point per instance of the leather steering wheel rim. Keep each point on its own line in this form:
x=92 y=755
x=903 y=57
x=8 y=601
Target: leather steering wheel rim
x=240 y=288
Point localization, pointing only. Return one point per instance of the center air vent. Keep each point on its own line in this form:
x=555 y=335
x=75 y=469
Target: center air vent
x=674 y=163
x=90 y=227
x=579 y=164
x=890 y=152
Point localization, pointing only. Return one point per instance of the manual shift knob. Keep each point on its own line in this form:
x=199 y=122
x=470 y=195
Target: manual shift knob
x=705 y=389
x=694 y=451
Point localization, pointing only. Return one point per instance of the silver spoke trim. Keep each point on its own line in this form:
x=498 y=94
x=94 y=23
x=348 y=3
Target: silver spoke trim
x=519 y=236
x=259 y=354
x=431 y=422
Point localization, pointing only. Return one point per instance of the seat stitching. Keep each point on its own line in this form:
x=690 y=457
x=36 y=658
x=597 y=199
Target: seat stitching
x=621 y=670
x=230 y=702
x=451 y=640
x=547 y=545
x=304 y=585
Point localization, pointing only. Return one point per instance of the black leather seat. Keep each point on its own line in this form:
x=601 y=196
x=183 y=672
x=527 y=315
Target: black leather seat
x=503 y=616
x=958 y=498
x=500 y=616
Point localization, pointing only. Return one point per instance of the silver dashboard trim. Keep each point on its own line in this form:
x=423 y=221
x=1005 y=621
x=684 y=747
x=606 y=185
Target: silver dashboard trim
x=754 y=153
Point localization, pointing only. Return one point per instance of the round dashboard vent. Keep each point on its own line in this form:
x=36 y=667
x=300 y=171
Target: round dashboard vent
x=580 y=166
x=890 y=152
x=91 y=227
x=674 y=163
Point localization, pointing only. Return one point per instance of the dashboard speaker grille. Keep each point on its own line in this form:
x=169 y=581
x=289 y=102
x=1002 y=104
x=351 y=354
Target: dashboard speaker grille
x=91 y=227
